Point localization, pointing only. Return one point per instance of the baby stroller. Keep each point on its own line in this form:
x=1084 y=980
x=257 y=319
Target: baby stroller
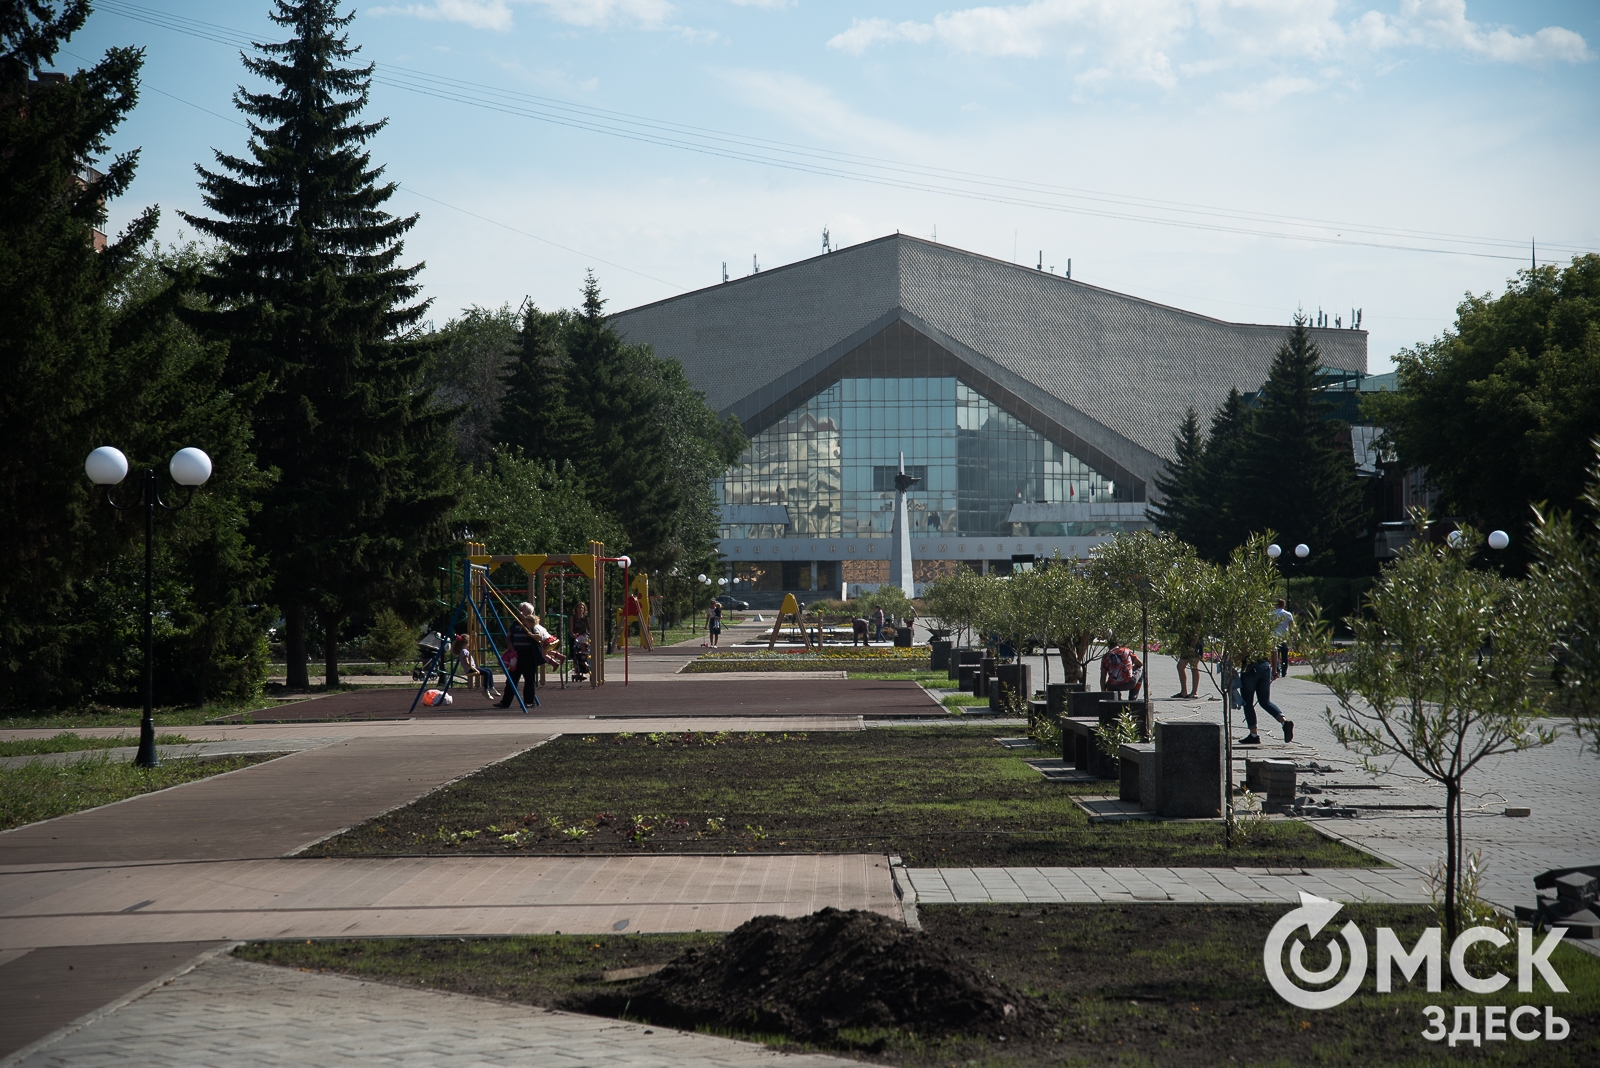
x=428 y=650
x=580 y=658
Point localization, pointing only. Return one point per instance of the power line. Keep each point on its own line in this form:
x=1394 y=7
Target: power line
x=874 y=170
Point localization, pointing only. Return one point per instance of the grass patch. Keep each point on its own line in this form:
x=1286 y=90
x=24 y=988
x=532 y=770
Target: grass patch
x=112 y=716
x=37 y=791
x=964 y=700
x=68 y=742
x=534 y=969
x=932 y=679
x=1178 y=985
x=934 y=795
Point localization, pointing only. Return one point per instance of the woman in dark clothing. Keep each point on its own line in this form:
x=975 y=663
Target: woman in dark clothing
x=528 y=644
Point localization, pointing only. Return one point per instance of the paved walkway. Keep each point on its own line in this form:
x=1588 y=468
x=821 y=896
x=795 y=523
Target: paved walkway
x=236 y=1013
x=360 y=897
x=936 y=886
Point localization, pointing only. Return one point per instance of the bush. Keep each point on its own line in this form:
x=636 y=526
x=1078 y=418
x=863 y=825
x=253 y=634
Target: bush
x=391 y=638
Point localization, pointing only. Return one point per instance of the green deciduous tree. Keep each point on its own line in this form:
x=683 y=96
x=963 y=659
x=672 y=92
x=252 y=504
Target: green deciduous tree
x=470 y=356
x=1567 y=572
x=1441 y=675
x=309 y=292
x=519 y=505
x=1500 y=410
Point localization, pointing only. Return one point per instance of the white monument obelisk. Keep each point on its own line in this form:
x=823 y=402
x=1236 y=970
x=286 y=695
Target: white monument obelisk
x=900 y=573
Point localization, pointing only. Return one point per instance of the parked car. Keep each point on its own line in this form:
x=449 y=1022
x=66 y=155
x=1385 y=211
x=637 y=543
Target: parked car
x=732 y=603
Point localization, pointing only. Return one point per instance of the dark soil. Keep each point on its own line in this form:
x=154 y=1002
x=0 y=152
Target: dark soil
x=819 y=978
x=934 y=795
x=1169 y=985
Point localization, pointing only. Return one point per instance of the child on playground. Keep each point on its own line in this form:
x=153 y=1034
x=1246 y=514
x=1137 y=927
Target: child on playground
x=463 y=652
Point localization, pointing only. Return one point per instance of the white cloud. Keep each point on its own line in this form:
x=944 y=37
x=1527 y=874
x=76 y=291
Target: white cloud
x=1159 y=41
x=496 y=14
x=1267 y=93
x=479 y=14
x=770 y=5
x=1444 y=24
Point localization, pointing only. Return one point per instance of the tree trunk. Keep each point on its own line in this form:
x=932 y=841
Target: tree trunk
x=1452 y=860
x=294 y=647
x=330 y=646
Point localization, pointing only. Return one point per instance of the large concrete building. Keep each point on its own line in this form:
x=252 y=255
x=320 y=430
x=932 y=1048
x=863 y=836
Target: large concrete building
x=1036 y=410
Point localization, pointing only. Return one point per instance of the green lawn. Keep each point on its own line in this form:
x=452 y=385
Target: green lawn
x=1167 y=985
x=112 y=716
x=936 y=795
x=37 y=791
x=68 y=742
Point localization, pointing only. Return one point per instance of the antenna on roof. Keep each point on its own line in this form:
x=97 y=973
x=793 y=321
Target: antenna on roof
x=1041 y=261
x=935 y=232
x=826 y=247
x=1069 y=268
x=755 y=264
x=1533 y=253
x=724 y=270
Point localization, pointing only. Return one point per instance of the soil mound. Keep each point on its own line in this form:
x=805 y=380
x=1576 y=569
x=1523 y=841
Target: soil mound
x=813 y=976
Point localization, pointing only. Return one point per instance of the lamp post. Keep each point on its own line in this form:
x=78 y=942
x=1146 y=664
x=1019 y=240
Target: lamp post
x=107 y=467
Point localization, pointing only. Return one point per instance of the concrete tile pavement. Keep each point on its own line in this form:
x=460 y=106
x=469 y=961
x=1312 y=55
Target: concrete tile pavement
x=957 y=886
x=59 y=905
x=231 y=1012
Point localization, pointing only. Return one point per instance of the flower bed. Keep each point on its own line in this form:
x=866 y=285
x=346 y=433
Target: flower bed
x=856 y=659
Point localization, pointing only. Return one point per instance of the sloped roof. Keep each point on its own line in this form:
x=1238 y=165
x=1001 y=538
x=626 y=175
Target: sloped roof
x=1117 y=372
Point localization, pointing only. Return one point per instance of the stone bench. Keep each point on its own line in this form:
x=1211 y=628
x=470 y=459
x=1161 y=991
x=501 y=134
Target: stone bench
x=1189 y=769
x=1140 y=773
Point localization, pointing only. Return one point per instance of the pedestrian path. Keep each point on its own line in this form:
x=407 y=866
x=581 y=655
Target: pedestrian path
x=231 y=1012
x=961 y=886
x=366 y=897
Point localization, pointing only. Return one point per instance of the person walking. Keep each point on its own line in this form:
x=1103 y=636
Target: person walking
x=714 y=622
x=877 y=624
x=1255 y=685
x=1282 y=620
x=528 y=644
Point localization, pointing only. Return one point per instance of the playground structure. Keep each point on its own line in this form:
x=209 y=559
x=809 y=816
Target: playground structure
x=487 y=613
x=791 y=608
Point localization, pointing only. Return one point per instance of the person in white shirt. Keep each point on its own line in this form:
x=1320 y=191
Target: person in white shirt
x=1282 y=620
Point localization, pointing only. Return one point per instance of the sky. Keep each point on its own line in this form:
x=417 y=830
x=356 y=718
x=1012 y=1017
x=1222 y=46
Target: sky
x=1243 y=159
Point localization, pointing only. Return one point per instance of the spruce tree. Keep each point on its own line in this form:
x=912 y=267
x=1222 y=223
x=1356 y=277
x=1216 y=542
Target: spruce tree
x=320 y=316
x=1182 y=486
x=1295 y=474
x=1216 y=529
x=55 y=315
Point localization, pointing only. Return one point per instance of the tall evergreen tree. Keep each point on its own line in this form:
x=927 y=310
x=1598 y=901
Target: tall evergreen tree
x=1295 y=474
x=1182 y=485
x=320 y=315
x=639 y=436
x=1216 y=533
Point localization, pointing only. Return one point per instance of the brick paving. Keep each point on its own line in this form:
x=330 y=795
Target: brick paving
x=364 y=897
x=237 y=1013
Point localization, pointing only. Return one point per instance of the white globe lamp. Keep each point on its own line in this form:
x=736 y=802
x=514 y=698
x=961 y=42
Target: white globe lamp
x=190 y=467
x=1456 y=539
x=1274 y=551
x=1302 y=550
x=1499 y=539
x=106 y=466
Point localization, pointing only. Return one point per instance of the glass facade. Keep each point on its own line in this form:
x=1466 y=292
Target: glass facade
x=830 y=462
